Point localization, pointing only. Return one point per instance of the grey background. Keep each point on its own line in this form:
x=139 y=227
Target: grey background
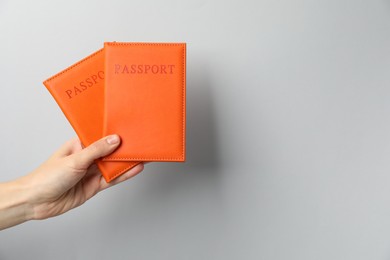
x=288 y=130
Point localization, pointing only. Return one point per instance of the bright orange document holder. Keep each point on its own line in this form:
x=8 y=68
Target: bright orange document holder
x=145 y=100
x=79 y=91
x=136 y=90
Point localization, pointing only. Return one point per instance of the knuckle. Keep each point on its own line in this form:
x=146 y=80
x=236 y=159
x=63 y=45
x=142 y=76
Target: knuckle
x=73 y=162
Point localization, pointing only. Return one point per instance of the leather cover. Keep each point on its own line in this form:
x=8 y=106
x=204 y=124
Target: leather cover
x=145 y=100
x=79 y=91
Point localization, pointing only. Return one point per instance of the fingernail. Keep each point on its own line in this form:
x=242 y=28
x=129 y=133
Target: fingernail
x=113 y=139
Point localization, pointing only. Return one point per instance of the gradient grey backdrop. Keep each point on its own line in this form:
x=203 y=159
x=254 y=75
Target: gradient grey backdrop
x=288 y=130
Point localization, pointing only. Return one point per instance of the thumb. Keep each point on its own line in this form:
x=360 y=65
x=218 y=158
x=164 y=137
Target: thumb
x=98 y=149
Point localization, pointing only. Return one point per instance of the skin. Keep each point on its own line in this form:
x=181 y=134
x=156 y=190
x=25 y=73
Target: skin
x=65 y=181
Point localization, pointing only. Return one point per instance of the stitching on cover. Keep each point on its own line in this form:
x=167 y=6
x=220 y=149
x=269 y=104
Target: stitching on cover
x=116 y=159
x=183 y=102
x=74 y=65
x=143 y=43
x=122 y=171
x=183 y=99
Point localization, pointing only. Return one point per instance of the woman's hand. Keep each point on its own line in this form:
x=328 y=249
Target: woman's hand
x=65 y=181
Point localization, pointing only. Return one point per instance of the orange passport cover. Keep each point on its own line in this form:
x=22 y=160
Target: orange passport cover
x=145 y=100
x=79 y=91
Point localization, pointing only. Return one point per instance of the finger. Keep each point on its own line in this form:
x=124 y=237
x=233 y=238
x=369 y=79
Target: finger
x=98 y=149
x=94 y=183
x=127 y=175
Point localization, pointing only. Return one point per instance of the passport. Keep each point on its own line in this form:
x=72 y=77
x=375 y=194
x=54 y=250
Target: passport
x=145 y=100
x=135 y=90
x=79 y=92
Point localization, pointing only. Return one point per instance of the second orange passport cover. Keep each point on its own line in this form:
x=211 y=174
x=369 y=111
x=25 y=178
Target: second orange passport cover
x=145 y=100
x=79 y=91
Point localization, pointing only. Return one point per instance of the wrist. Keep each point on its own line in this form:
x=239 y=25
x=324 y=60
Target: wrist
x=14 y=203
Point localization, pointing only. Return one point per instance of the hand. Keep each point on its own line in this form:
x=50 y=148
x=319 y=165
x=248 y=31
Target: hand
x=65 y=181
